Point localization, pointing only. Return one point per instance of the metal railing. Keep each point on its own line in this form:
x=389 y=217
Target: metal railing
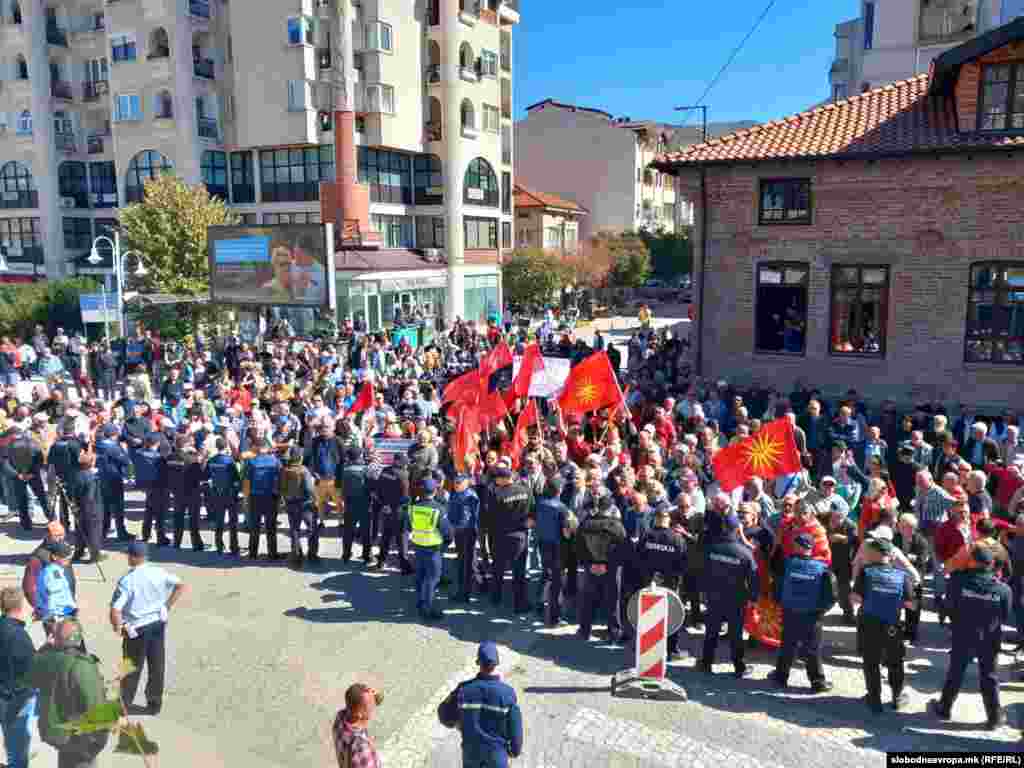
x=93 y=90
x=61 y=89
x=207 y=128
x=203 y=68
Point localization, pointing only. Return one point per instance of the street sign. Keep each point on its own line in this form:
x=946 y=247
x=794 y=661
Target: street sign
x=98 y=307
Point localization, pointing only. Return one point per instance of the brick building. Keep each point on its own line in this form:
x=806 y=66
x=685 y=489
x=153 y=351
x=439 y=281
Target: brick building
x=875 y=243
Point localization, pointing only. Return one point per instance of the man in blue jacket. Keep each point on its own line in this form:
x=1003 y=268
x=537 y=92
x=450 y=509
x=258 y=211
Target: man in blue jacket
x=151 y=479
x=487 y=713
x=464 y=517
x=263 y=471
x=222 y=495
x=552 y=527
x=113 y=462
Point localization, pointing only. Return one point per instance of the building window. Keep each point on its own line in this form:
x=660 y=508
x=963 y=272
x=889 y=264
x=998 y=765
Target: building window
x=388 y=175
x=468 y=116
x=145 y=166
x=300 y=30
x=506 y=234
x=785 y=201
x=123 y=47
x=869 y=26
x=396 y=231
x=488 y=63
x=103 y=184
x=668 y=212
x=481 y=185
x=18 y=186
x=429 y=180
x=127 y=106
x=430 y=232
x=213 y=166
x=492 y=123
x=72 y=182
x=159 y=45
x=379 y=99
x=243 y=186
x=859 y=309
x=23 y=125
x=480 y=233
x=552 y=237
x=1002 y=97
x=77 y=234
x=107 y=228
x=378 y=36
x=780 y=323
x=300 y=217
x=24 y=234
x=300 y=95
x=995 y=313
x=294 y=175
x=506 y=192
x=163 y=105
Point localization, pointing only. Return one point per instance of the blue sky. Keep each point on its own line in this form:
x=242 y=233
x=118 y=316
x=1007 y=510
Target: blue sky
x=643 y=57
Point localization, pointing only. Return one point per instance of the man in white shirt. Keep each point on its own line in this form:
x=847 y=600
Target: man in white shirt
x=138 y=611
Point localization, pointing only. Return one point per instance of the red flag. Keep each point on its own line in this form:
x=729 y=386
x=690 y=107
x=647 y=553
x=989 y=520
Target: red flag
x=527 y=417
x=496 y=370
x=466 y=387
x=769 y=453
x=591 y=386
x=365 y=398
x=464 y=442
x=532 y=362
x=492 y=409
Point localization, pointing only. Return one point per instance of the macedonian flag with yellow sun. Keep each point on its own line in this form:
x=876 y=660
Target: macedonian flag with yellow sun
x=769 y=453
x=591 y=386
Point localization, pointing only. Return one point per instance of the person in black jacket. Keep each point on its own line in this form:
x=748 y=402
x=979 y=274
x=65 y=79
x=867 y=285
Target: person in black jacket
x=391 y=493
x=513 y=517
x=24 y=466
x=181 y=472
x=86 y=496
x=63 y=457
x=842 y=536
x=113 y=464
x=600 y=541
x=915 y=546
x=730 y=582
x=661 y=556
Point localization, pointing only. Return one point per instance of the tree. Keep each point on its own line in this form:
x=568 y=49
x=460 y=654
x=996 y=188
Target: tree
x=628 y=256
x=531 y=276
x=671 y=253
x=589 y=266
x=168 y=231
x=51 y=304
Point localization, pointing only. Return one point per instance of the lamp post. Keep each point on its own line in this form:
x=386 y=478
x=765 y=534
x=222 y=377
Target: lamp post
x=119 y=262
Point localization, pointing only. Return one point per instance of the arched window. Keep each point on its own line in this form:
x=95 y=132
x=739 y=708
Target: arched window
x=428 y=180
x=466 y=59
x=468 y=115
x=159 y=46
x=214 y=168
x=21 y=67
x=17 y=186
x=433 y=62
x=71 y=181
x=481 y=185
x=146 y=165
x=434 y=122
x=164 y=106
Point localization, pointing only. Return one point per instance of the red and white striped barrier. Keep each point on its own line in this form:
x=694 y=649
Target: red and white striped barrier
x=652 y=634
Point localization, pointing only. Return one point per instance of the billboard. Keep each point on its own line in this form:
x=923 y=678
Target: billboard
x=284 y=264
x=98 y=307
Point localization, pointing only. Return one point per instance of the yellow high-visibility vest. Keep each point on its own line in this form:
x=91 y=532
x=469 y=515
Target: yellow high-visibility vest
x=424 y=526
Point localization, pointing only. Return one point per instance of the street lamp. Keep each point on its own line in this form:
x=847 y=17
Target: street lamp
x=119 y=262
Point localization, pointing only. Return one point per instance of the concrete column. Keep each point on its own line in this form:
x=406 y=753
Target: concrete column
x=44 y=168
x=186 y=160
x=454 y=162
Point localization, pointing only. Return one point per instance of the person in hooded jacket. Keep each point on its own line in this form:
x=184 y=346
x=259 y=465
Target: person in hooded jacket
x=600 y=541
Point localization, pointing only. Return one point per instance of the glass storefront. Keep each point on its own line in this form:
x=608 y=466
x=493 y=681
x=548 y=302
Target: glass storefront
x=480 y=296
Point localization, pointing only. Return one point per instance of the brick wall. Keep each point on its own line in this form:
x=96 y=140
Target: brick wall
x=968 y=83
x=925 y=218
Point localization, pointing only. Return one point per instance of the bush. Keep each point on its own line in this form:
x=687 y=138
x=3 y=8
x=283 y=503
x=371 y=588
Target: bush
x=50 y=303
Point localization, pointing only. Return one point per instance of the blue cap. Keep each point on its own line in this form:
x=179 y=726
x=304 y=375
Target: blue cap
x=487 y=653
x=804 y=541
x=429 y=485
x=138 y=549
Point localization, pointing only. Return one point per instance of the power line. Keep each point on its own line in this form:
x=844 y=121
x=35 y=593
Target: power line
x=735 y=52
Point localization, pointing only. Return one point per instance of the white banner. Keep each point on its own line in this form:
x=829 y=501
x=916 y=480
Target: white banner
x=549 y=381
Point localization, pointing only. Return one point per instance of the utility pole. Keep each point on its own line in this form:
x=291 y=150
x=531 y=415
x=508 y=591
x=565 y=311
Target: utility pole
x=703 y=117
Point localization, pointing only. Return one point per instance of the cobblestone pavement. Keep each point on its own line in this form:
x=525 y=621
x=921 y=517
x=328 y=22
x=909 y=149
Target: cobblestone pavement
x=260 y=655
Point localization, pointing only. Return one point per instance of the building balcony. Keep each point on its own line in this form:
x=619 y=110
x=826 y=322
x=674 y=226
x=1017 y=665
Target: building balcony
x=948 y=25
x=61 y=89
x=207 y=128
x=199 y=9
x=65 y=142
x=56 y=36
x=94 y=90
x=203 y=68
x=95 y=145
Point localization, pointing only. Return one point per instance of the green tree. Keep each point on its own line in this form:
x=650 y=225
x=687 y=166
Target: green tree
x=51 y=304
x=532 y=276
x=629 y=257
x=671 y=253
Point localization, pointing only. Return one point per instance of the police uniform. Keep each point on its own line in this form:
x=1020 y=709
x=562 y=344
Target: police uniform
x=600 y=541
x=730 y=582
x=180 y=476
x=552 y=516
x=84 y=489
x=464 y=517
x=978 y=605
x=511 y=506
x=63 y=457
x=113 y=462
x=884 y=589
x=808 y=592
x=297 y=491
x=151 y=478
x=391 y=490
x=429 y=530
x=661 y=556
x=262 y=471
x=356 y=492
x=26 y=466
x=222 y=498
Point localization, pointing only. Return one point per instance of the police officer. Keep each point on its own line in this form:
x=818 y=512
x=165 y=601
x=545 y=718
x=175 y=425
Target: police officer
x=808 y=592
x=464 y=516
x=63 y=457
x=600 y=541
x=552 y=527
x=355 y=488
x=978 y=605
x=884 y=591
x=24 y=466
x=151 y=479
x=391 y=489
x=113 y=463
x=297 y=490
x=262 y=471
x=84 y=490
x=661 y=555
x=512 y=520
x=486 y=712
x=730 y=582
x=224 y=480
x=180 y=475
x=429 y=531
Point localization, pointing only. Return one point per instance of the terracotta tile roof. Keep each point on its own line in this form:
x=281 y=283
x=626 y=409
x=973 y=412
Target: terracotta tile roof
x=528 y=198
x=898 y=118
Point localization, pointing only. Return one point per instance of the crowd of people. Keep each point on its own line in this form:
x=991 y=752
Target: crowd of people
x=226 y=438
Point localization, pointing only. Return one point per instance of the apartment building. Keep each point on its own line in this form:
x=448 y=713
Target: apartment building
x=896 y=39
x=601 y=162
x=547 y=221
x=391 y=118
